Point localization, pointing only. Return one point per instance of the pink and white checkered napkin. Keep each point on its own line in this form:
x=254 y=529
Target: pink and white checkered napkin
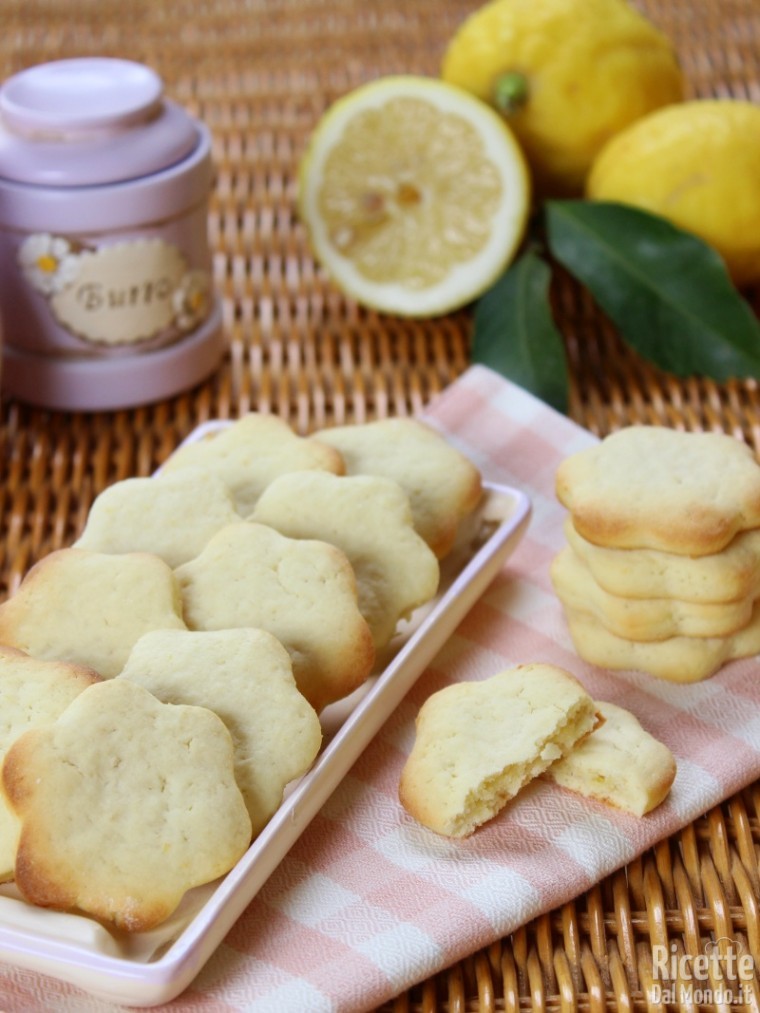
x=368 y=902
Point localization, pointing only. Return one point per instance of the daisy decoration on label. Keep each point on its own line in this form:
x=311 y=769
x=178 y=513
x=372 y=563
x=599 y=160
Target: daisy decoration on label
x=48 y=262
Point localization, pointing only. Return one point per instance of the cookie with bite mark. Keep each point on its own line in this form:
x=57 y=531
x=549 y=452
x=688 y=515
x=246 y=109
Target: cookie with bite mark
x=479 y=743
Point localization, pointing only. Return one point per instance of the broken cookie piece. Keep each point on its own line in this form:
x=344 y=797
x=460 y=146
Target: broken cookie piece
x=619 y=763
x=479 y=743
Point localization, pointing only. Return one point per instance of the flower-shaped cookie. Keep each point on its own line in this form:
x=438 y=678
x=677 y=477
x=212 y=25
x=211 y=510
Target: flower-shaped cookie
x=677 y=659
x=125 y=803
x=370 y=519
x=443 y=486
x=251 y=453
x=643 y=618
x=302 y=592
x=244 y=676
x=32 y=693
x=723 y=576
x=171 y=515
x=658 y=488
x=90 y=608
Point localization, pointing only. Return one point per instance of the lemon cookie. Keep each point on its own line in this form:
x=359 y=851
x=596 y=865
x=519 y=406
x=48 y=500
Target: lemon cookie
x=677 y=659
x=252 y=452
x=125 y=804
x=369 y=518
x=172 y=515
x=32 y=693
x=643 y=618
x=619 y=763
x=245 y=676
x=442 y=484
x=90 y=607
x=302 y=592
x=658 y=488
x=479 y=743
x=723 y=576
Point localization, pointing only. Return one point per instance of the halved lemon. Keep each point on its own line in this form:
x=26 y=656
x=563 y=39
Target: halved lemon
x=415 y=195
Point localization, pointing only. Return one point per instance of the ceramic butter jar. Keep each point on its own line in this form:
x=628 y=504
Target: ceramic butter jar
x=106 y=291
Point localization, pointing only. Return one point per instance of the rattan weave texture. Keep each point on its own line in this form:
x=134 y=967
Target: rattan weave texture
x=259 y=73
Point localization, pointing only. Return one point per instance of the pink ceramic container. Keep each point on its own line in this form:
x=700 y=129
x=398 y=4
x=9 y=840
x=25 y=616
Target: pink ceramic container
x=106 y=292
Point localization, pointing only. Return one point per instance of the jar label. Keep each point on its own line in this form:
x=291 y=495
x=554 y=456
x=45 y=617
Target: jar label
x=129 y=293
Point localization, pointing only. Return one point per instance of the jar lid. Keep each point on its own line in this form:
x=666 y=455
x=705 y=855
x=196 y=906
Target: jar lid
x=89 y=121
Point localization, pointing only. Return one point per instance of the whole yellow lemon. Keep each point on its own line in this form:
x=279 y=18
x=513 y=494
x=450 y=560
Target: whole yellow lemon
x=567 y=74
x=698 y=165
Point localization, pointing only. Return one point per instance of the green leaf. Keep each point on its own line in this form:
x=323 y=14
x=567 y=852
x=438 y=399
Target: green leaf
x=667 y=292
x=514 y=332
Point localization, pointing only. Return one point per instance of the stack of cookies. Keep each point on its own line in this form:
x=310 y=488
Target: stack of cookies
x=661 y=571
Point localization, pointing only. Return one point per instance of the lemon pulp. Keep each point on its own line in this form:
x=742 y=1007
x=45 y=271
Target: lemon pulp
x=402 y=178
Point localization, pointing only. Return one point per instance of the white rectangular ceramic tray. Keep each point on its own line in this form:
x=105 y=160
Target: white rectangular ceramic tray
x=145 y=969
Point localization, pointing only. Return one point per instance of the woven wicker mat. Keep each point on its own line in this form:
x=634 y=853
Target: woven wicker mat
x=259 y=72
